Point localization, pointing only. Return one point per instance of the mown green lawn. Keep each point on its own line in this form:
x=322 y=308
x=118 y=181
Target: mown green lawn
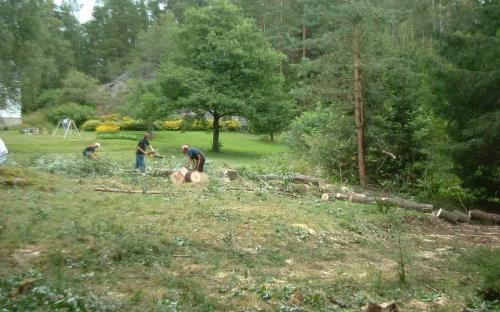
x=237 y=148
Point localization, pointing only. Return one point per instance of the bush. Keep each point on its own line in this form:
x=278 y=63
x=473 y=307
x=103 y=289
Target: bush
x=78 y=113
x=327 y=141
x=110 y=117
x=173 y=125
x=91 y=124
x=158 y=125
x=108 y=127
x=231 y=125
x=132 y=125
x=197 y=125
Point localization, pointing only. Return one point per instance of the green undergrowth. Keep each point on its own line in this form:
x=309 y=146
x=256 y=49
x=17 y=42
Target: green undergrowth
x=238 y=246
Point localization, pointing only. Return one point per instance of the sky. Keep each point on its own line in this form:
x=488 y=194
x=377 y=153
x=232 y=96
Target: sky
x=85 y=10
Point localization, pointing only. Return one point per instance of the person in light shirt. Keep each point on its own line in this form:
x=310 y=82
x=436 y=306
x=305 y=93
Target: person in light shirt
x=3 y=152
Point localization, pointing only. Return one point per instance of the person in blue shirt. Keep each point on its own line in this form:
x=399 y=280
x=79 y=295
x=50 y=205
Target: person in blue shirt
x=195 y=157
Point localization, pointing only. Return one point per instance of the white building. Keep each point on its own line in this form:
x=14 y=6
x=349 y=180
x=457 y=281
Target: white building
x=10 y=115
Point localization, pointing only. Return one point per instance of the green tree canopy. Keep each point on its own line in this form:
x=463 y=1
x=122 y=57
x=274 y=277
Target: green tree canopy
x=470 y=82
x=223 y=64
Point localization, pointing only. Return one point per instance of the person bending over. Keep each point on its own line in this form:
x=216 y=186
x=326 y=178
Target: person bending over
x=195 y=157
x=89 y=151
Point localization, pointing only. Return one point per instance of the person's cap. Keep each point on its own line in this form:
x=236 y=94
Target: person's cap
x=184 y=148
x=97 y=145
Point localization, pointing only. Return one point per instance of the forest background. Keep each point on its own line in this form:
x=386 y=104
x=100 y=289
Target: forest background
x=400 y=95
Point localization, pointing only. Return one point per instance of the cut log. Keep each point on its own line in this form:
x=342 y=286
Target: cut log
x=448 y=216
x=187 y=177
x=484 y=216
x=177 y=177
x=462 y=217
x=204 y=177
x=230 y=174
x=356 y=198
x=366 y=199
x=407 y=204
x=195 y=177
x=184 y=170
x=295 y=178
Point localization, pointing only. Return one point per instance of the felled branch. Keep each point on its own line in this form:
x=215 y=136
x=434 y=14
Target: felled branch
x=389 y=154
x=114 y=190
x=295 y=178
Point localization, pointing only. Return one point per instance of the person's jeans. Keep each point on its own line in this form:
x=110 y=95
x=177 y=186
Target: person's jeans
x=139 y=162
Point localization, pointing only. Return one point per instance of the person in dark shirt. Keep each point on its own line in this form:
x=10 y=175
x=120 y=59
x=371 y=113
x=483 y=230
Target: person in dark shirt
x=141 y=151
x=89 y=151
x=195 y=157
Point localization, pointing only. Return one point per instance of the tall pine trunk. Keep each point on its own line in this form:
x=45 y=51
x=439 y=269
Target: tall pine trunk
x=215 y=133
x=304 y=37
x=358 y=106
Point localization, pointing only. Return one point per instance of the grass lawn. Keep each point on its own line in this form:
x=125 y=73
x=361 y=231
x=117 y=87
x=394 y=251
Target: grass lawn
x=246 y=245
x=237 y=148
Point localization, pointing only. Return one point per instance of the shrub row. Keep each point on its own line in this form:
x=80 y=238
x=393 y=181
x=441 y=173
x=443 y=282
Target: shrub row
x=113 y=123
x=199 y=125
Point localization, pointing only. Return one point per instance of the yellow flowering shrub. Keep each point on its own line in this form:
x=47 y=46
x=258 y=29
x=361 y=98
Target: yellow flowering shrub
x=172 y=125
x=126 y=118
x=108 y=127
x=231 y=125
